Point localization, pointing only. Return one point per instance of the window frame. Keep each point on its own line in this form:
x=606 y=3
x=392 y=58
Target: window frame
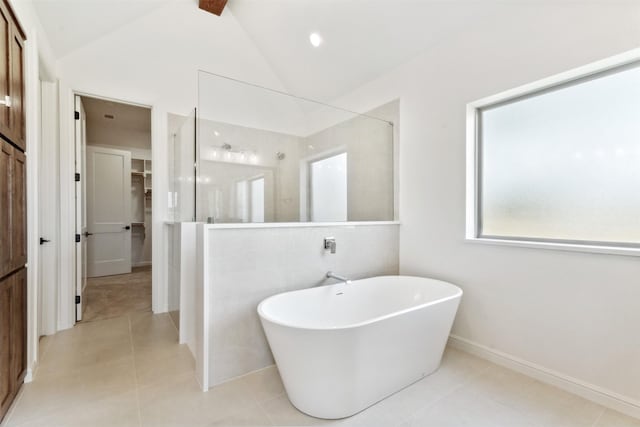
x=474 y=149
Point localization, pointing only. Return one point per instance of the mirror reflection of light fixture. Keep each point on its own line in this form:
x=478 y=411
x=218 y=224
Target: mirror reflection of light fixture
x=228 y=153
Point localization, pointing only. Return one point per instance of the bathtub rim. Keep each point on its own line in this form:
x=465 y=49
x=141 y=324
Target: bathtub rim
x=264 y=317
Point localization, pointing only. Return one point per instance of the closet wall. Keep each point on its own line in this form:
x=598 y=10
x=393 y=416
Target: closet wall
x=13 y=213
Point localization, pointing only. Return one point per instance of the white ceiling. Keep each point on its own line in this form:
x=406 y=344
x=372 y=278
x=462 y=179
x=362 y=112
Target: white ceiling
x=125 y=116
x=362 y=38
x=70 y=24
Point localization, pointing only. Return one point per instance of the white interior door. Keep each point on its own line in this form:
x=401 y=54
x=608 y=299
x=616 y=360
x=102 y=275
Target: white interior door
x=108 y=211
x=81 y=217
x=48 y=210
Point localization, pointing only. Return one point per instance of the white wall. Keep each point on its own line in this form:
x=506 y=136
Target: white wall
x=246 y=265
x=573 y=313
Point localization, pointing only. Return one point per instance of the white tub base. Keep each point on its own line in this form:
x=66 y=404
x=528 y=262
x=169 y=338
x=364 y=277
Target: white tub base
x=339 y=350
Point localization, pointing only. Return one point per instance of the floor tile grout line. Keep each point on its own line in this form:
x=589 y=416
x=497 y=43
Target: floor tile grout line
x=453 y=390
x=135 y=372
x=599 y=417
x=271 y=422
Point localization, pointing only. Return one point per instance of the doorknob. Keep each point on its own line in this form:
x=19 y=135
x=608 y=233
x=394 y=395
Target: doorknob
x=87 y=234
x=127 y=227
x=43 y=241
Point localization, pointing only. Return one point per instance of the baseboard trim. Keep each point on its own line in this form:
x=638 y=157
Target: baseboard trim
x=141 y=264
x=604 y=397
x=28 y=377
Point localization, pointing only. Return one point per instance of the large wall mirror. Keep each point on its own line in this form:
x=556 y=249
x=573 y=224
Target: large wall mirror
x=271 y=157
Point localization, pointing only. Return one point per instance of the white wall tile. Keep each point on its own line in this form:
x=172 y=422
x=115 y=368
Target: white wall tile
x=249 y=265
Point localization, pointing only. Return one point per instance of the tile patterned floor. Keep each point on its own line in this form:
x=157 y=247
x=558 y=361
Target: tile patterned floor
x=130 y=371
x=114 y=296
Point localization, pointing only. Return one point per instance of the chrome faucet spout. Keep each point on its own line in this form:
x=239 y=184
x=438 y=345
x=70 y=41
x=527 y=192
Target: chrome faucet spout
x=331 y=275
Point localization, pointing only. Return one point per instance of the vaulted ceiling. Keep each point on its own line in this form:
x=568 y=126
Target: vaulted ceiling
x=362 y=38
x=71 y=24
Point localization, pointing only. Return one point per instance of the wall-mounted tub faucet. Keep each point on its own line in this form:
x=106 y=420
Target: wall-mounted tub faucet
x=331 y=275
x=330 y=244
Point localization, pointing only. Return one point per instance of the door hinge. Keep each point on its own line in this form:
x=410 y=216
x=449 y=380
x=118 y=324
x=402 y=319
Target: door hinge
x=77 y=177
x=77 y=238
x=78 y=299
x=76 y=115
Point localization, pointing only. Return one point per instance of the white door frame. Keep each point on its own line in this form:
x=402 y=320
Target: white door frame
x=159 y=146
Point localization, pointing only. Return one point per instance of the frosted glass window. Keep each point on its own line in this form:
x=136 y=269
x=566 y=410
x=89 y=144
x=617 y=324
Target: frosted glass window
x=329 y=189
x=242 y=208
x=564 y=164
x=257 y=200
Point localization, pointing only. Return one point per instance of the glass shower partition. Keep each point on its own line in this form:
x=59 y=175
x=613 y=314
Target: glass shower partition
x=182 y=198
x=266 y=156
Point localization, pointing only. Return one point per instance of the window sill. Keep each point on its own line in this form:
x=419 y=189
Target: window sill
x=606 y=250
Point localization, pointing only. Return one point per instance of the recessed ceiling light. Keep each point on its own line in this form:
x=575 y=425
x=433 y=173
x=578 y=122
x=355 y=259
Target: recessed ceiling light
x=315 y=39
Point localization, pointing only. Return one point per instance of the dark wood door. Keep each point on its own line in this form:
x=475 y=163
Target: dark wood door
x=6 y=388
x=6 y=190
x=16 y=91
x=19 y=211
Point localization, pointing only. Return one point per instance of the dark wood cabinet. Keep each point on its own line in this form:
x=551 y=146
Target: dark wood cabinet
x=6 y=384
x=13 y=336
x=16 y=91
x=19 y=211
x=18 y=342
x=5 y=77
x=6 y=190
x=12 y=112
x=13 y=209
x=13 y=212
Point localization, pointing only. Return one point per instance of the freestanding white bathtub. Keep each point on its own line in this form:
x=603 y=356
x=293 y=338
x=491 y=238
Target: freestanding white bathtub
x=342 y=348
